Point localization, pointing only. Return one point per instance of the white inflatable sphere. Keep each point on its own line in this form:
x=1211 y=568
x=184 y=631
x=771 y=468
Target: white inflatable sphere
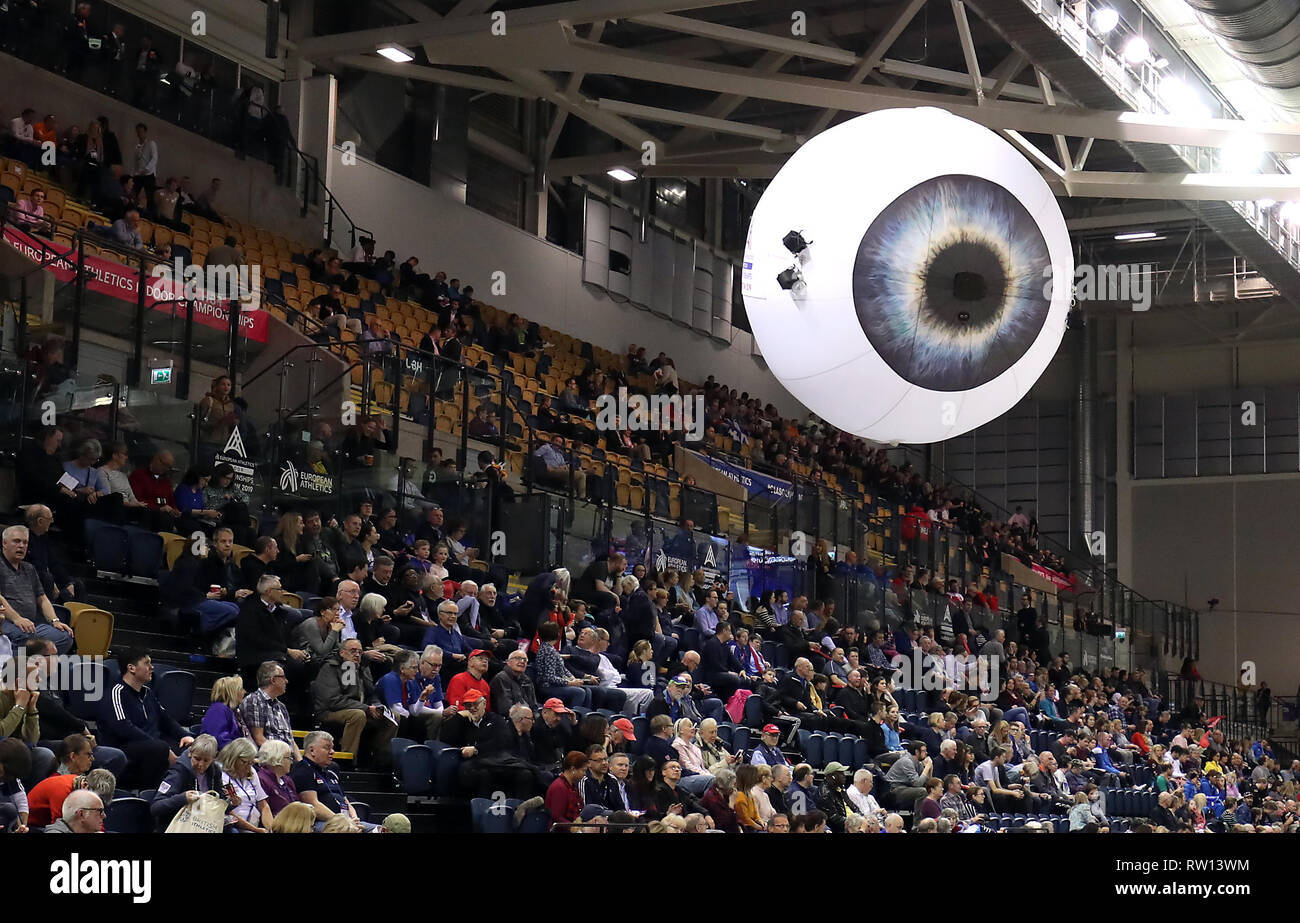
x=936 y=284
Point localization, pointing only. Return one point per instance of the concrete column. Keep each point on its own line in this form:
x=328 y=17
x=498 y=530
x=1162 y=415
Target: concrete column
x=1123 y=450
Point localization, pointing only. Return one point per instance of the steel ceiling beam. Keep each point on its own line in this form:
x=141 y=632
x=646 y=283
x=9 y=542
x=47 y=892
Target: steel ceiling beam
x=322 y=47
x=749 y=38
x=433 y=75
x=673 y=117
x=947 y=78
x=833 y=95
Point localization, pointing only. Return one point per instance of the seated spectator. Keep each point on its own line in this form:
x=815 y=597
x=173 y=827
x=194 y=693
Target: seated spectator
x=190 y=500
x=768 y=751
x=554 y=466
x=194 y=772
x=553 y=677
x=253 y=567
x=45 y=800
x=511 y=686
x=563 y=799
x=126 y=230
x=344 y=694
x=132 y=719
x=274 y=763
x=407 y=697
x=28 y=612
x=473 y=677
x=262 y=633
x=262 y=712
x=83 y=813
x=223 y=719
x=248 y=811
x=670 y=797
x=695 y=777
x=60 y=586
x=28 y=214
x=318 y=784
x=113 y=471
x=152 y=486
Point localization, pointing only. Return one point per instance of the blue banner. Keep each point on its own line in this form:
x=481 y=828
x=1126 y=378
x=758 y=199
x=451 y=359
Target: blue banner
x=756 y=484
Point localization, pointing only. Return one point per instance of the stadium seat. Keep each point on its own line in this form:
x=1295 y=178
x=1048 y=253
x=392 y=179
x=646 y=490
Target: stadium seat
x=448 y=764
x=740 y=740
x=109 y=546
x=754 y=712
x=146 y=552
x=489 y=816
x=175 y=692
x=397 y=746
x=417 y=769
x=128 y=815
x=362 y=809
x=813 y=752
x=535 y=821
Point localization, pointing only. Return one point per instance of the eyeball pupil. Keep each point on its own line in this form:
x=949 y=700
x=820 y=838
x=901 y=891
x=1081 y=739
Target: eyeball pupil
x=965 y=278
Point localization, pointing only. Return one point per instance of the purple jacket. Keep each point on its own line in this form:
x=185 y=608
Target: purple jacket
x=278 y=794
x=222 y=723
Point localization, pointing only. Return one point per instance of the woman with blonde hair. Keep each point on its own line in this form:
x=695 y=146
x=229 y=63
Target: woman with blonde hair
x=758 y=791
x=222 y=719
x=295 y=818
x=248 y=809
x=696 y=778
x=340 y=823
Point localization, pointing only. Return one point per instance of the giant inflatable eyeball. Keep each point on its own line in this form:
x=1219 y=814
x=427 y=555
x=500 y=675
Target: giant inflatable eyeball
x=926 y=283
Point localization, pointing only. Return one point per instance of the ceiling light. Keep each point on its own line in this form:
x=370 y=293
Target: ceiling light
x=1241 y=155
x=1136 y=235
x=1136 y=50
x=395 y=53
x=621 y=174
x=1161 y=63
x=1104 y=20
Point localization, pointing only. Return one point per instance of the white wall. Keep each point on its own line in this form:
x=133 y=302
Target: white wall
x=543 y=281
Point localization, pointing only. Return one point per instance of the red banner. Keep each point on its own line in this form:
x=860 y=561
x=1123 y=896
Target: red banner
x=1061 y=581
x=106 y=277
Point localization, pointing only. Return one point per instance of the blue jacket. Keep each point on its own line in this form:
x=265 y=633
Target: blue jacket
x=126 y=716
x=180 y=779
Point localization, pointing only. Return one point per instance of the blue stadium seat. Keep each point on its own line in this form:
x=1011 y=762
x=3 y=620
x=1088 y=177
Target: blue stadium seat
x=145 y=552
x=448 y=763
x=816 y=741
x=98 y=675
x=740 y=740
x=535 y=821
x=487 y=820
x=149 y=794
x=417 y=770
x=726 y=733
x=397 y=746
x=848 y=744
x=175 y=692
x=805 y=740
x=128 y=815
x=109 y=547
x=754 y=712
x=362 y=809
x=641 y=728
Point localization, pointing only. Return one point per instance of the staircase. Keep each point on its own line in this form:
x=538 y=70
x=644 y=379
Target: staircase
x=140 y=619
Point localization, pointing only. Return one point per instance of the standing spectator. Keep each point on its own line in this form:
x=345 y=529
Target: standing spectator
x=76 y=42
x=144 y=77
x=145 y=169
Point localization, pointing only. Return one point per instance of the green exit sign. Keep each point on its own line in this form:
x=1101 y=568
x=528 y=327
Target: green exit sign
x=160 y=376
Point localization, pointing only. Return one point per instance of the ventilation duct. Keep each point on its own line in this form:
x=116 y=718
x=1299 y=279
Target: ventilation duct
x=1264 y=35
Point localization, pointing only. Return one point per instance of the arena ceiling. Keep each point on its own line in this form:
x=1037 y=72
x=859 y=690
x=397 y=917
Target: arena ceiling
x=726 y=91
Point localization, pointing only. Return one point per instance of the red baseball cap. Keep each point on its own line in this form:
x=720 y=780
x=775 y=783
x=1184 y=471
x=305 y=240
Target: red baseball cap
x=471 y=696
x=771 y=729
x=480 y=653
x=624 y=725
x=556 y=705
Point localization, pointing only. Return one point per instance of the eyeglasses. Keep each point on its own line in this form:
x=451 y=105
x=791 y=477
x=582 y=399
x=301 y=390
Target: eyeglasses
x=93 y=810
